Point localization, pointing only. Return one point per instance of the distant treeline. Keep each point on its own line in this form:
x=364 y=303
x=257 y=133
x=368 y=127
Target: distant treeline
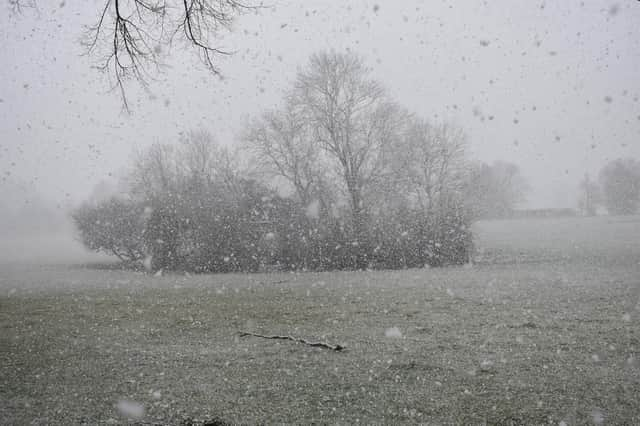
x=617 y=189
x=542 y=213
x=338 y=177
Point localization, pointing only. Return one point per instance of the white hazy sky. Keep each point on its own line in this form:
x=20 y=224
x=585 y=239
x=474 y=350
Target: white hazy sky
x=552 y=86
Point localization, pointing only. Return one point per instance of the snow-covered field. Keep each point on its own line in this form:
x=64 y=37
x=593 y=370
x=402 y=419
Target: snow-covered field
x=601 y=239
x=544 y=328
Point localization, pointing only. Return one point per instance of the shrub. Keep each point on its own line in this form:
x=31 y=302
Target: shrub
x=114 y=226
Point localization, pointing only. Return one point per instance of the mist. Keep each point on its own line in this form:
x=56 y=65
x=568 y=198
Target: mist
x=38 y=230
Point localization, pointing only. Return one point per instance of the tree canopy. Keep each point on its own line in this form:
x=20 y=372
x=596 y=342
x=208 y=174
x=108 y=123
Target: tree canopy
x=620 y=183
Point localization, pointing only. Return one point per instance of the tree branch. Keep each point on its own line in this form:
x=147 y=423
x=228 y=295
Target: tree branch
x=129 y=35
x=336 y=348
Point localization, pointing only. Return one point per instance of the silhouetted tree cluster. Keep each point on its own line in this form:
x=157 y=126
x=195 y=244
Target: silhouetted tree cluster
x=620 y=185
x=338 y=177
x=493 y=191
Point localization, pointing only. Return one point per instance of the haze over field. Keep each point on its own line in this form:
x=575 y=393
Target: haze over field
x=37 y=229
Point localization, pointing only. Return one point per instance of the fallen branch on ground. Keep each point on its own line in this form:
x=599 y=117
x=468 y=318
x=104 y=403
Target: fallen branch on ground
x=273 y=282
x=295 y=339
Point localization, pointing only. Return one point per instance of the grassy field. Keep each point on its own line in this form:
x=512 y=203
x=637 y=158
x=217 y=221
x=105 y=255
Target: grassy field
x=543 y=329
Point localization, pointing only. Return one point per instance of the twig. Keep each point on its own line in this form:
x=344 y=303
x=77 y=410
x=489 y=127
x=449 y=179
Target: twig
x=273 y=282
x=296 y=339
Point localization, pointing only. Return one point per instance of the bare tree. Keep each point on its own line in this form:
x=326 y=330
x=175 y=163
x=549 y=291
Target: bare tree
x=494 y=191
x=352 y=121
x=203 y=159
x=200 y=152
x=154 y=172
x=196 y=162
x=589 y=196
x=282 y=143
x=429 y=162
x=129 y=37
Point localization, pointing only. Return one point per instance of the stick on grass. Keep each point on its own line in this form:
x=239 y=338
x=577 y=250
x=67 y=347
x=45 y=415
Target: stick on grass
x=295 y=339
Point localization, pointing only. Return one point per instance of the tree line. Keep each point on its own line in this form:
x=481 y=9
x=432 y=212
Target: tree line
x=339 y=176
x=617 y=188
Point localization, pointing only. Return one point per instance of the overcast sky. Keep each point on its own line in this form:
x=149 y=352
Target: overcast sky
x=552 y=86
